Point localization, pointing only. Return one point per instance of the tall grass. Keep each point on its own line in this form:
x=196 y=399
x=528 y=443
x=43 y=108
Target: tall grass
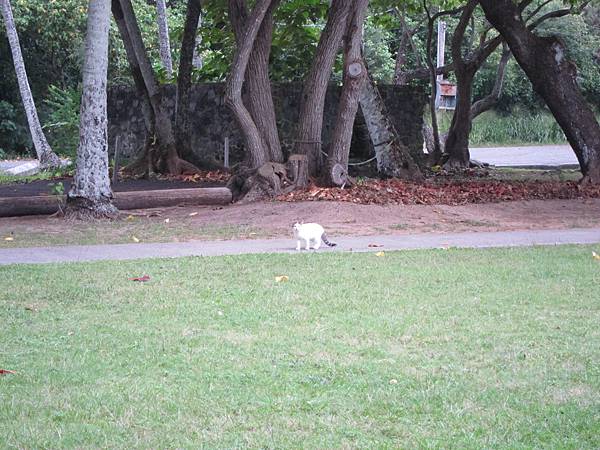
x=519 y=128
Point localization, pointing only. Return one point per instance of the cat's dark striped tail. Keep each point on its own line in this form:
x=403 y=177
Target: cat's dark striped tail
x=324 y=239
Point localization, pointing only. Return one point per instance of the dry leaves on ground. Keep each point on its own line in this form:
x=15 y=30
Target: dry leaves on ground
x=397 y=192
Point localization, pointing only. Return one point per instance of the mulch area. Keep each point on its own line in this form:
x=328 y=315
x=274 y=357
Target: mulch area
x=46 y=187
x=444 y=192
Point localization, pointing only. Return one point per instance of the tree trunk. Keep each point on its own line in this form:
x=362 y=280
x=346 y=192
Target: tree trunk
x=312 y=103
x=553 y=77
x=457 y=142
x=163 y=154
x=90 y=195
x=393 y=158
x=163 y=37
x=45 y=155
x=184 y=78
x=258 y=84
x=258 y=154
x=355 y=74
x=489 y=101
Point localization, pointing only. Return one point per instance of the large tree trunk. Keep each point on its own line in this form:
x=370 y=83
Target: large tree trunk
x=393 y=158
x=257 y=82
x=554 y=78
x=90 y=195
x=355 y=74
x=312 y=103
x=45 y=155
x=257 y=153
x=163 y=37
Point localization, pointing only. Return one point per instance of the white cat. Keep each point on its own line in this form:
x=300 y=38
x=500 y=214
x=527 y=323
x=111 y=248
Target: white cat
x=310 y=232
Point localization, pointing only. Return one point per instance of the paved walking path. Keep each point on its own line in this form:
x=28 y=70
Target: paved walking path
x=543 y=155
x=346 y=243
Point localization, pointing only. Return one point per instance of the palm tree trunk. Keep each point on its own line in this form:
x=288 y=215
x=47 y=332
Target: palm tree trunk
x=90 y=195
x=45 y=155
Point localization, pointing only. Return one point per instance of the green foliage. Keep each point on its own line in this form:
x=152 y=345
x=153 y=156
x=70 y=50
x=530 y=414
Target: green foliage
x=57 y=188
x=14 y=136
x=63 y=120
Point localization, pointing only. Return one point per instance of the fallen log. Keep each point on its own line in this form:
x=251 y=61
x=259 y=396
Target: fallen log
x=50 y=204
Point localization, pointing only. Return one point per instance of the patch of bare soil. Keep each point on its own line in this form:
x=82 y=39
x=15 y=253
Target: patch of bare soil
x=270 y=219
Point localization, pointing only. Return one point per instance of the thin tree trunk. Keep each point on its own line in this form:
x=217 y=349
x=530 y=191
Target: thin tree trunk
x=393 y=158
x=489 y=101
x=163 y=37
x=312 y=103
x=554 y=78
x=436 y=154
x=164 y=154
x=90 y=194
x=355 y=74
x=45 y=155
x=184 y=77
x=257 y=151
x=258 y=84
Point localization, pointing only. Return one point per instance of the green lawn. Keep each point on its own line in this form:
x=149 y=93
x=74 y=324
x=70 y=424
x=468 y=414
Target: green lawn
x=434 y=349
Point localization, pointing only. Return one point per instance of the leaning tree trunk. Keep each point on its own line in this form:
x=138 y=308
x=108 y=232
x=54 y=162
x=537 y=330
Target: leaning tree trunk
x=393 y=157
x=163 y=153
x=45 y=155
x=163 y=37
x=184 y=78
x=257 y=154
x=554 y=78
x=312 y=103
x=258 y=84
x=355 y=74
x=90 y=195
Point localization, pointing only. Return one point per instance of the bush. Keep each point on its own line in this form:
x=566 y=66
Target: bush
x=63 y=120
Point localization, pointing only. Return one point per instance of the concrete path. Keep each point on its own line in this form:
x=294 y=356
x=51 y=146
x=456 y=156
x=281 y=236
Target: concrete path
x=541 y=156
x=345 y=244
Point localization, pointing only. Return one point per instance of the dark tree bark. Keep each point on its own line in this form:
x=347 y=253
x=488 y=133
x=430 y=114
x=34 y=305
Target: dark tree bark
x=553 y=77
x=184 y=79
x=491 y=100
x=162 y=155
x=355 y=74
x=257 y=82
x=310 y=120
x=457 y=142
x=257 y=154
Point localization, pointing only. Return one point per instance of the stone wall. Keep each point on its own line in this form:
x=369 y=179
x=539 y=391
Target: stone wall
x=211 y=120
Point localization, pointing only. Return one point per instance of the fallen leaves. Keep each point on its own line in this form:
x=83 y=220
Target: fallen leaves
x=596 y=256
x=380 y=254
x=375 y=245
x=282 y=278
x=141 y=279
x=9 y=238
x=444 y=192
x=135 y=239
x=7 y=372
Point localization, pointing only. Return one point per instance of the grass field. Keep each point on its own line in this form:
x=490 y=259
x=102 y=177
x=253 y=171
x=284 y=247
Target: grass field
x=433 y=349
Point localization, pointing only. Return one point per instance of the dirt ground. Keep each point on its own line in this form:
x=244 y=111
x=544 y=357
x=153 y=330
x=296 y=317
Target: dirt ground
x=271 y=219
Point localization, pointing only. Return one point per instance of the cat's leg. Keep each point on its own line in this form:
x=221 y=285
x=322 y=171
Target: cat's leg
x=298 y=245
x=317 y=244
x=307 y=243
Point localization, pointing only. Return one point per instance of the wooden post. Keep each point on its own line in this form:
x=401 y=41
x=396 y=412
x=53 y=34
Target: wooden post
x=115 y=176
x=226 y=153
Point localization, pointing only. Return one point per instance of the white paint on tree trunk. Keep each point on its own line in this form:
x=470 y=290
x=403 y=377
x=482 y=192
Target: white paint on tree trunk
x=91 y=183
x=43 y=151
